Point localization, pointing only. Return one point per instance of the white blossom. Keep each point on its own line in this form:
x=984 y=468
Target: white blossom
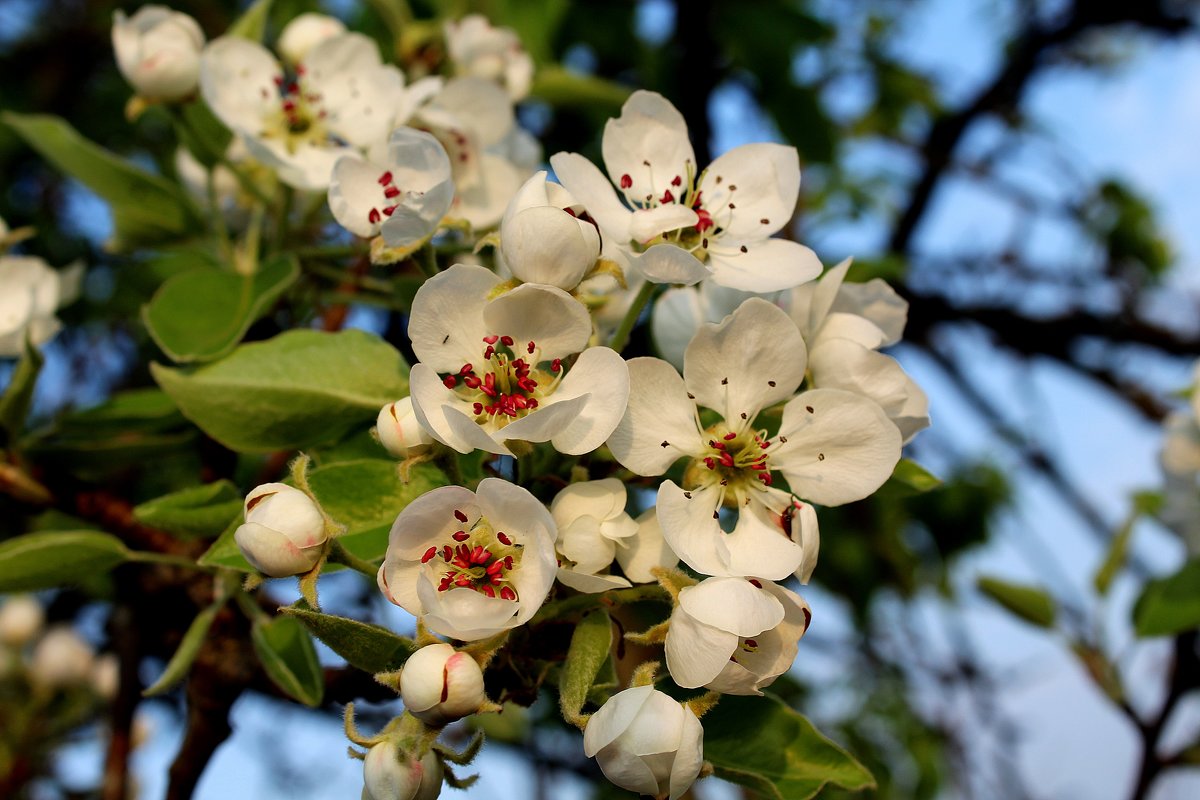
x=398 y=430
x=304 y=32
x=30 y=292
x=284 y=532
x=440 y=684
x=158 y=51
x=480 y=50
x=546 y=236
x=61 y=659
x=471 y=564
x=21 y=619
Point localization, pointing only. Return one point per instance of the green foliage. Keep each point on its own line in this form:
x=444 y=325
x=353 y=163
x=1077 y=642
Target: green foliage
x=1124 y=223
x=1030 y=603
x=252 y=24
x=289 y=658
x=1114 y=559
x=591 y=646
x=224 y=551
x=14 y=403
x=1169 y=605
x=562 y=88
x=185 y=654
x=57 y=558
x=368 y=647
x=762 y=744
x=301 y=388
x=203 y=314
x=913 y=476
x=198 y=512
x=146 y=208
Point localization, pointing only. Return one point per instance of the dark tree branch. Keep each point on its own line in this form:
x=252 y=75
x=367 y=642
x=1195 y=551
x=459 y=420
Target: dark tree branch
x=1184 y=677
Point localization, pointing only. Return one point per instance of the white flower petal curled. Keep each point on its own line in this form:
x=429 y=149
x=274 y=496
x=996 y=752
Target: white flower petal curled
x=284 y=532
x=399 y=431
x=306 y=31
x=542 y=241
x=158 y=51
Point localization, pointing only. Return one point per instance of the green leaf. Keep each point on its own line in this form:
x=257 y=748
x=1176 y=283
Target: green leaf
x=202 y=133
x=301 y=388
x=224 y=551
x=1030 y=603
x=203 y=314
x=1169 y=605
x=559 y=87
x=57 y=558
x=912 y=475
x=366 y=496
x=591 y=645
x=14 y=403
x=760 y=743
x=289 y=658
x=186 y=653
x=146 y=207
x=199 y=512
x=145 y=409
x=252 y=24
x=1114 y=559
x=370 y=648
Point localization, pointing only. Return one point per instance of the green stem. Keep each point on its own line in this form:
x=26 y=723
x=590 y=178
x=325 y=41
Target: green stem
x=334 y=251
x=218 y=219
x=427 y=260
x=147 y=557
x=283 y=212
x=338 y=554
x=621 y=337
x=586 y=602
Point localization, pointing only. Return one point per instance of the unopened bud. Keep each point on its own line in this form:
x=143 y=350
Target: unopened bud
x=21 y=618
x=304 y=33
x=61 y=659
x=389 y=774
x=399 y=432
x=284 y=533
x=440 y=684
x=158 y=52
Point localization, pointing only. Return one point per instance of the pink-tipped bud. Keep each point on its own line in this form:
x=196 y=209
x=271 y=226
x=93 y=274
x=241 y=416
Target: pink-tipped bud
x=440 y=685
x=399 y=432
x=389 y=774
x=284 y=532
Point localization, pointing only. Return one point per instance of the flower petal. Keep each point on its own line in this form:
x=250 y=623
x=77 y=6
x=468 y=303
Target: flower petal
x=600 y=499
x=843 y=364
x=550 y=419
x=691 y=529
x=825 y=293
x=590 y=583
x=237 y=80
x=758 y=546
x=767 y=181
x=689 y=758
x=659 y=425
x=602 y=375
x=734 y=605
x=674 y=321
x=696 y=652
x=465 y=613
x=614 y=718
x=446 y=323
x=434 y=408
x=666 y=263
x=879 y=303
x=545 y=244
x=764 y=265
x=545 y=315
x=587 y=184
x=646 y=550
x=649 y=143
x=649 y=223
x=354 y=194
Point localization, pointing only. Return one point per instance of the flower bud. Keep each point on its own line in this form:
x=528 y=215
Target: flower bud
x=399 y=432
x=61 y=659
x=646 y=742
x=21 y=618
x=304 y=33
x=440 y=685
x=389 y=774
x=284 y=533
x=158 y=52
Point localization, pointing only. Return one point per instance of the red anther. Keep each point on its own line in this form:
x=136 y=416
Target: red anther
x=445 y=584
x=385 y=179
x=449 y=381
x=489 y=352
x=751 y=643
x=489 y=385
x=447 y=553
x=716 y=445
x=466 y=368
x=507 y=593
x=387 y=212
x=754 y=582
x=626 y=181
x=491 y=339
x=462 y=580
x=729 y=436
x=374 y=216
x=463 y=552
x=765 y=477
x=461 y=563
x=459 y=515
x=556 y=365
x=496 y=579
x=708 y=462
x=667 y=197
x=479 y=555
x=676 y=181
x=508 y=562
x=765 y=445
x=391 y=191
x=495 y=568
x=518 y=402
x=529 y=348
x=507 y=341
x=704 y=221
x=429 y=554
x=519 y=365
x=289 y=106
x=472 y=382
x=478 y=407
x=460 y=536
x=503 y=537
x=528 y=384
x=278 y=80
x=488 y=590
x=533 y=403
x=727 y=459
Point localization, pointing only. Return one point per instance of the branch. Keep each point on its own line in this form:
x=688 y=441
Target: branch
x=1185 y=676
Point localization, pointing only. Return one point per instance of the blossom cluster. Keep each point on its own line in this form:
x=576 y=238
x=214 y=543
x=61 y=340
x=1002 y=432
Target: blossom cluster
x=769 y=396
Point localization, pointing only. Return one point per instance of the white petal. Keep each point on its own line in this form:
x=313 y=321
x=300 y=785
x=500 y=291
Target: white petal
x=354 y=193
x=752 y=359
x=546 y=315
x=463 y=613
x=879 y=303
x=843 y=364
x=659 y=424
x=691 y=529
x=426 y=520
x=580 y=541
x=482 y=105
x=733 y=605
x=825 y=294
x=767 y=177
x=689 y=758
x=645 y=551
x=602 y=374
x=547 y=421
x=806 y=533
x=590 y=584
x=272 y=553
x=666 y=263
x=307 y=166
x=434 y=408
x=546 y=245
x=588 y=185
x=649 y=143
x=397 y=579
x=840 y=325
x=613 y=718
x=600 y=499
x=650 y=223
x=765 y=265
x=842 y=450
x=676 y=317
x=237 y=79
x=758 y=545
x=696 y=652
x=482 y=203
x=446 y=323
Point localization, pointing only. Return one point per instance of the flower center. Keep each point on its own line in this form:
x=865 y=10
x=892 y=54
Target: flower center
x=391 y=193
x=298 y=119
x=735 y=459
x=714 y=218
x=508 y=383
x=475 y=556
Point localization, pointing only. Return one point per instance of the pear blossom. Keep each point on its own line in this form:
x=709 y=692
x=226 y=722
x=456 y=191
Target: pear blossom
x=343 y=100
x=547 y=237
x=680 y=311
x=832 y=446
x=390 y=774
x=1179 y=459
x=481 y=50
x=646 y=742
x=734 y=635
x=158 y=51
x=398 y=430
x=440 y=684
x=21 y=619
x=844 y=325
x=499 y=369
x=284 y=532
x=61 y=659
x=304 y=32
x=402 y=198
x=681 y=225
x=471 y=564
x=30 y=292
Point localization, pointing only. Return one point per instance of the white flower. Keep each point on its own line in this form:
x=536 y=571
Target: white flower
x=398 y=429
x=832 y=446
x=61 y=659
x=546 y=236
x=30 y=292
x=497 y=369
x=680 y=225
x=158 y=51
x=844 y=325
x=440 y=684
x=646 y=742
x=593 y=528
x=284 y=533
x=403 y=197
x=495 y=54
x=388 y=774
x=1180 y=462
x=21 y=619
x=733 y=635
x=680 y=311
x=343 y=100
x=471 y=564
x=305 y=32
